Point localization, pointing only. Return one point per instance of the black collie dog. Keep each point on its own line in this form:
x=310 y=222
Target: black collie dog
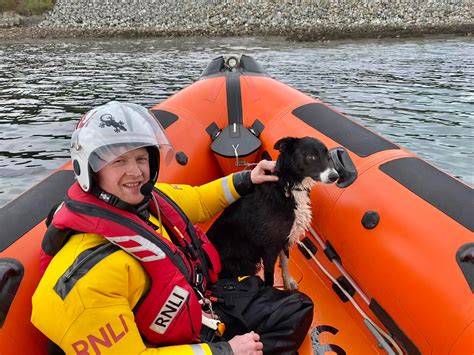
x=266 y=222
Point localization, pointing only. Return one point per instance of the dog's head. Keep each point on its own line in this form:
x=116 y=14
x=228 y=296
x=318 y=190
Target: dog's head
x=305 y=157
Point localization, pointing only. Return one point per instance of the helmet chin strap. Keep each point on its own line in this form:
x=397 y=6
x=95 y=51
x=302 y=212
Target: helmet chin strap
x=146 y=190
x=139 y=209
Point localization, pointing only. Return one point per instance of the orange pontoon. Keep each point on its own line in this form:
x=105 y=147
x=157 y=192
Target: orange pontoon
x=389 y=260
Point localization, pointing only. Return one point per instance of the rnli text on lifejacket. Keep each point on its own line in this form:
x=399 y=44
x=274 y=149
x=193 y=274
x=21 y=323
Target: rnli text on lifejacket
x=108 y=337
x=169 y=310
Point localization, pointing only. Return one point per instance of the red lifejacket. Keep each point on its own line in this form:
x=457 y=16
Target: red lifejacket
x=170 y=313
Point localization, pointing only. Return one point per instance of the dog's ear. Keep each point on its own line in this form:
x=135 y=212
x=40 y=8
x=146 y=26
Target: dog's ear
x=283 y=144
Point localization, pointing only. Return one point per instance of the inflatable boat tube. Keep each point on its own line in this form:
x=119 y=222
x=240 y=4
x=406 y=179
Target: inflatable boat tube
x=389 y=258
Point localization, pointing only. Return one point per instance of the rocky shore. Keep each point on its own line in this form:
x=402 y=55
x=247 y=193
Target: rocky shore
x=295 y=19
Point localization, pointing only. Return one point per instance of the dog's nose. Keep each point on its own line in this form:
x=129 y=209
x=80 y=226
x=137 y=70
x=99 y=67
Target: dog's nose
x=333 y=176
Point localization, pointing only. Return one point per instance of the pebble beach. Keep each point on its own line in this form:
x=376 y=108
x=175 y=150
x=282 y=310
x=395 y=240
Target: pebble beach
x=303 y=20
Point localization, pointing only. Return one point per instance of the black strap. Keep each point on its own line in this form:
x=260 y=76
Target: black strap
x=81 y=266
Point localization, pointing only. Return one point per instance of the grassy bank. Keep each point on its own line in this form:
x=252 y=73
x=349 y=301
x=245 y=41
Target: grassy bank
x=26 y=7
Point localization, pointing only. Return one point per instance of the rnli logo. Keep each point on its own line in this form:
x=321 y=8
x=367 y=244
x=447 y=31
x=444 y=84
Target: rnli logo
x=104 y=337
x=170 y=309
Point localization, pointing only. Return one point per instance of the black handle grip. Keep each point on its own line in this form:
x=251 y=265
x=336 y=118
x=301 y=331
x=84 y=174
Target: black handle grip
x=11 y=274
x=344 y=166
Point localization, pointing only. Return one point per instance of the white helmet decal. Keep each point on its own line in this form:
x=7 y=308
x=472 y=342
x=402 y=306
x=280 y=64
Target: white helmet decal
x=108 y=131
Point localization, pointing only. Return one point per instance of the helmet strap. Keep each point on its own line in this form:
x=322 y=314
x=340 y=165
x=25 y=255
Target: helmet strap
x=139 y=210
x=154 y=161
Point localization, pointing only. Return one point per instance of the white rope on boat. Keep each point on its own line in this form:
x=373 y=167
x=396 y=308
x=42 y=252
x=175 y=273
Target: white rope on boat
x=351 y=299
x=340 y=268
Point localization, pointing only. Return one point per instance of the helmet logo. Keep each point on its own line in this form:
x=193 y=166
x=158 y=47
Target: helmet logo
x=107 y=120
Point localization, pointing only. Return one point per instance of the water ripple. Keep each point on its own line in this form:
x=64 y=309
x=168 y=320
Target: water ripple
x=418 y=93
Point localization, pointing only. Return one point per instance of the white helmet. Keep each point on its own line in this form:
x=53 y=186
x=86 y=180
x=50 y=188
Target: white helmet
x=110 y=130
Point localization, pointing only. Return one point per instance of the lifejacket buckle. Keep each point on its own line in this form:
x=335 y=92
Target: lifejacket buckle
x=214 y=324
x=199 y=279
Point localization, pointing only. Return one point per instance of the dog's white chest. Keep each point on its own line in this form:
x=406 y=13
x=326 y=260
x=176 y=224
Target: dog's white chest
x=303 y=214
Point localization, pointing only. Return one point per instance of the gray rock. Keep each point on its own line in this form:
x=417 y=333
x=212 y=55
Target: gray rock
x=298 y=19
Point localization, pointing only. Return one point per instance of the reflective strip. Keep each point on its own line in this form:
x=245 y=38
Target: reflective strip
x=197 y=349
x=144 y=245
x=227 y=190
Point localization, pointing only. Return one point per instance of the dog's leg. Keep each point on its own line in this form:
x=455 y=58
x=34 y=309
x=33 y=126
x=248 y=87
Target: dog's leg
x=269 y=260
x=288 y=281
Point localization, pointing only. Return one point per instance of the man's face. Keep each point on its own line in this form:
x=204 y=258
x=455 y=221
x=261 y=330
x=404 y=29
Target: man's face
x=125 y=175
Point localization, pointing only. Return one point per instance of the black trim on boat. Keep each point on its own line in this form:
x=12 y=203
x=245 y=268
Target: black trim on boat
x=11 y=274
x=213 y=130
x=235 y=135
x=250 y=65
x=256 y=128
x=346 y=285
x=440 y=190
x=331 y=252
x=246 y=65
x=81 y=266
x=166 y=118
x=393 y=328
x=29 y=209
x=344 y=131
x=215 y=67
x=310 y=245
x=465 y=259
x=234 y=98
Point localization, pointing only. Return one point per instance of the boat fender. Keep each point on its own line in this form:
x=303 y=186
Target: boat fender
x=344 y=166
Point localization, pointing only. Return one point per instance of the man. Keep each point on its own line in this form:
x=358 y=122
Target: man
x=127 y=272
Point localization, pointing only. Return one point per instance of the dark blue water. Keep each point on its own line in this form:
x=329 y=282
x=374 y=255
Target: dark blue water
x=418 y=93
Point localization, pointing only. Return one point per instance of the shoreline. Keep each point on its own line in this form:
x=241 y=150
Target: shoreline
x=299 y=35
x=296 y=20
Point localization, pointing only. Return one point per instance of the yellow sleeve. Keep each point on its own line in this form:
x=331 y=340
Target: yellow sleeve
x=112 y=330
x=201 y=203
x=95 y=315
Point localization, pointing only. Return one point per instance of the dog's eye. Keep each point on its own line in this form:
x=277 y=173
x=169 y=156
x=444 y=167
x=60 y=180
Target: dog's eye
x=311 y=157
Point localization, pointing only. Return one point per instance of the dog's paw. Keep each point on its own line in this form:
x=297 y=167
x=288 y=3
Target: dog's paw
x=290 y=284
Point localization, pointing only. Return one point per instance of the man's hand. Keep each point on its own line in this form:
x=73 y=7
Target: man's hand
x=247 y=344
x=257 y=175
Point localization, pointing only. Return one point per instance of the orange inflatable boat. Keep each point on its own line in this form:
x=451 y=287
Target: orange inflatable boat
x=389 y=258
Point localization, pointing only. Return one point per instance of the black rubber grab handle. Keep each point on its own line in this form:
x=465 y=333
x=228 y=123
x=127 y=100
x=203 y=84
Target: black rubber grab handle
x=344 y=166
x=11 y=274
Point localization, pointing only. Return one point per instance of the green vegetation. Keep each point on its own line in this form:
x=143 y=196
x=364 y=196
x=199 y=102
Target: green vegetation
x=27 y=7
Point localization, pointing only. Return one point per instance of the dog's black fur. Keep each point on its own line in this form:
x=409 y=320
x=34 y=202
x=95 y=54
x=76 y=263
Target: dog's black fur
x=257 y=227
